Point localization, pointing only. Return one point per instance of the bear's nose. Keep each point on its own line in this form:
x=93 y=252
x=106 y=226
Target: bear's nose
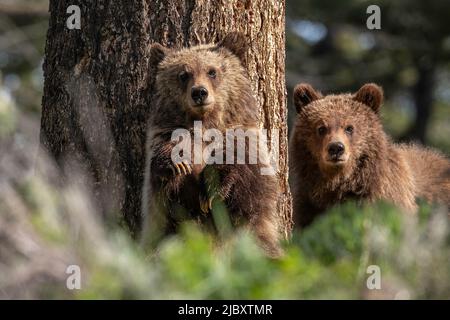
x=199 y=94
x=336 y=149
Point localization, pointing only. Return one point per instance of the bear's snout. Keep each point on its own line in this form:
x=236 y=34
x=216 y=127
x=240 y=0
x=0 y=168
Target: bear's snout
x=199 y=95
x=336 y=150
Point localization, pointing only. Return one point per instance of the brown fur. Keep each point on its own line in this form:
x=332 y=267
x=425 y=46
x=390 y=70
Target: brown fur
x=371 y=167
x=170 y=198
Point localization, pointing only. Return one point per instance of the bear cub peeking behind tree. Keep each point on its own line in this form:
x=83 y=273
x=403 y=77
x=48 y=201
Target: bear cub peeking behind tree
x=339 y=151
x=206 y=83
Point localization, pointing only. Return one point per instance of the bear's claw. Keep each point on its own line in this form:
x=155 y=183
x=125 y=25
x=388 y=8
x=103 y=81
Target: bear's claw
x=205 y=204
x=181 y=168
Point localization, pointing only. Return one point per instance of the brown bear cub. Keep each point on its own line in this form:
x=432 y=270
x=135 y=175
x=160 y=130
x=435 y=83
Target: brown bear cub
x=339 y=151
x=206 y=83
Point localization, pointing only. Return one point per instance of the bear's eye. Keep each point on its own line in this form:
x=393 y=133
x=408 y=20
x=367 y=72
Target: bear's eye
x=322 y=130
x=183 y=76
x=349 y=129
x=212 y=74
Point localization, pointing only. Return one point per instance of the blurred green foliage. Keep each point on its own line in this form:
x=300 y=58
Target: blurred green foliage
x=328 y=260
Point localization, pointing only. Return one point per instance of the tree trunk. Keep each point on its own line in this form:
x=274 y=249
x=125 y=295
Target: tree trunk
x=98 y=88
x=423 y=99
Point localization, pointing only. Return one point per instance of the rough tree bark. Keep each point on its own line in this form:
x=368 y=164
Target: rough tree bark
x=98 y=87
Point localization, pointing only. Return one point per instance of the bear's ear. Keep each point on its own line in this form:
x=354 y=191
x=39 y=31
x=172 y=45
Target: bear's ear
x=236 y=42
x=371 y=95
x=157 y=53
x=304 y=94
